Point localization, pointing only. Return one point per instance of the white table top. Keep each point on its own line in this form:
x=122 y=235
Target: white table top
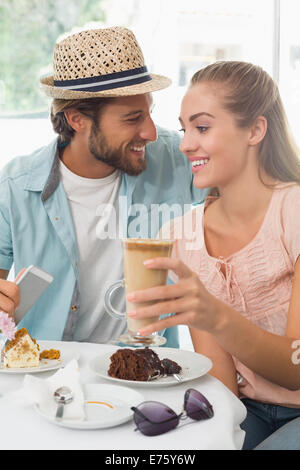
x=23 y=428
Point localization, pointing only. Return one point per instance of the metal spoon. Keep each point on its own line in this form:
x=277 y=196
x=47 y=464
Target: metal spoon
x=63 y=396
x=177 y=377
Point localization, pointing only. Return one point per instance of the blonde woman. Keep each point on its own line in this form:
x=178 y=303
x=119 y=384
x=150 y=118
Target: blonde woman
x=238 y=286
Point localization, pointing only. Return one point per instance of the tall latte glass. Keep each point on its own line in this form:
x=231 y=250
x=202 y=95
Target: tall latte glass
x=138 y=277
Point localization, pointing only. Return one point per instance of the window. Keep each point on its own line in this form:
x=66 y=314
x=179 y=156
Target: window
x=177 y=39
x=28 y=32
x=199 y=33
x=289 y=70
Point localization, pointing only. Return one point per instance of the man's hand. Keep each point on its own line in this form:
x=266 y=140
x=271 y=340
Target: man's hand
x=9 y=295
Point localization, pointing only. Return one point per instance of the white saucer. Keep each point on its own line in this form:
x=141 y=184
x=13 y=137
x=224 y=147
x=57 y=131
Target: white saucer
x=155 y=340
x=105 y=406
x=45 y=365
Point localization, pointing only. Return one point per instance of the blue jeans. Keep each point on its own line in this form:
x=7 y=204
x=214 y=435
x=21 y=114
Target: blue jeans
x=271 y=427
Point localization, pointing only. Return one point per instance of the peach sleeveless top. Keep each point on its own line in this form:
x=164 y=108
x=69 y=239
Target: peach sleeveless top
x=258 y=279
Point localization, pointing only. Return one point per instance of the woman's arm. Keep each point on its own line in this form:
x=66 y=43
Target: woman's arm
x=293 y=323
x=223 y=365
x=267 y=354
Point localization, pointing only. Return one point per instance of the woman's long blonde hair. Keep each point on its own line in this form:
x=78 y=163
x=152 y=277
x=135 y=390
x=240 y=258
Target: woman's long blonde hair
x=250 y=92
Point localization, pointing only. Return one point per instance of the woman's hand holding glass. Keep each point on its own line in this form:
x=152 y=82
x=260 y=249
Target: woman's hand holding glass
x=188 y=299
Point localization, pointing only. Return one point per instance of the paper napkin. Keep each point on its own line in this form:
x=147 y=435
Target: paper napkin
x=36 y=390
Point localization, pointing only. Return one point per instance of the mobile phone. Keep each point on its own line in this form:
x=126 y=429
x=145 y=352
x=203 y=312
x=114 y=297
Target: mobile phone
x=32 y=284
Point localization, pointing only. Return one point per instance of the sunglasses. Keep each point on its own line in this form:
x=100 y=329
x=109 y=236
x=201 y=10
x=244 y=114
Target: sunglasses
x=153 y=418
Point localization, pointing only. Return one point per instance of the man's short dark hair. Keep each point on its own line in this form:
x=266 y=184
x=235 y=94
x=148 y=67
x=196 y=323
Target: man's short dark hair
x=88 y=107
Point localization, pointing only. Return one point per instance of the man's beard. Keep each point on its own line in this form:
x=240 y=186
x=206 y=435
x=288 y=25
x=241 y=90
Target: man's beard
x=115 y=157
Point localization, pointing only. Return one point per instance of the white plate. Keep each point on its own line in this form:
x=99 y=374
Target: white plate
x=112 y=407
x=45 y=364
x=193 y=365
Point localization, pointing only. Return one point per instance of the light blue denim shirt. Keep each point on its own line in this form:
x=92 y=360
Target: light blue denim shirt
x=36 y=225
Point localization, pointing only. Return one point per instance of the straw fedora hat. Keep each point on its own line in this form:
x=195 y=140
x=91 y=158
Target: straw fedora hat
x=100 y=63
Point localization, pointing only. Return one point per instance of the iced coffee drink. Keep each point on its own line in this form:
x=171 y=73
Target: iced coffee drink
x=138 y=277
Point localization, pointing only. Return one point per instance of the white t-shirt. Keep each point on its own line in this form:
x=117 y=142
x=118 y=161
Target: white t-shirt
x=100 y=260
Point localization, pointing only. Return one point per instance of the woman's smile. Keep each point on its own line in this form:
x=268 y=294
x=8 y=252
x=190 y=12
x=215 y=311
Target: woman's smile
x=198 y=163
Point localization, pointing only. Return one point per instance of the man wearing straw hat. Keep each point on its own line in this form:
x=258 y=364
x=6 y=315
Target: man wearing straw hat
x=108 y=154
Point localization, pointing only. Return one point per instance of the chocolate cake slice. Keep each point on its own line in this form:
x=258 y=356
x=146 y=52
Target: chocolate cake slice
x=152 y=358
x=140 y=365
x=170 y=367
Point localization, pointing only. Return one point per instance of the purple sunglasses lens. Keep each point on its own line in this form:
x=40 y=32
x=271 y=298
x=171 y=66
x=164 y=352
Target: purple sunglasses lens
x=153 y=418
x=197 y=406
